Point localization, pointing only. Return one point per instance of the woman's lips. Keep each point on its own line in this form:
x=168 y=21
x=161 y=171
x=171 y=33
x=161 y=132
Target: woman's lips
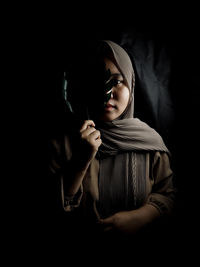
x=109 y=106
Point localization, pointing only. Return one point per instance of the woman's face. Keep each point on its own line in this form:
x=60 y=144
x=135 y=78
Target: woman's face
x=119 y=94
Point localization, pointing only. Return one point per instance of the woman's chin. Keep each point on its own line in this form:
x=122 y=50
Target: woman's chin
x=108 y=116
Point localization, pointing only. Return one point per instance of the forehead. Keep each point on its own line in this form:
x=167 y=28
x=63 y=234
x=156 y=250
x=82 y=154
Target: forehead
x=109 y=64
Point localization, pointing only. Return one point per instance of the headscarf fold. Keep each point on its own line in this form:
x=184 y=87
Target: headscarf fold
x=129 y=135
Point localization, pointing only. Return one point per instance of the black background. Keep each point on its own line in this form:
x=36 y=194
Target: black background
x=46 y=38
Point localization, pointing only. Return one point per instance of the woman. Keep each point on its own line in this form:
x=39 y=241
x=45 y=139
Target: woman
x=115 y=174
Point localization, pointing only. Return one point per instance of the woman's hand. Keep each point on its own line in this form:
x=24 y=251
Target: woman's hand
x=130 y=222
x=86 y=150
x=90 y=139
x=124 y=222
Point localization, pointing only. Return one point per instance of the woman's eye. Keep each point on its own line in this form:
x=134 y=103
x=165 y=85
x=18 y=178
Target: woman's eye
x=115 y=82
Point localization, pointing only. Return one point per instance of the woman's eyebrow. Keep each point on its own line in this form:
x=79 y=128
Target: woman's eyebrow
x=116 y=75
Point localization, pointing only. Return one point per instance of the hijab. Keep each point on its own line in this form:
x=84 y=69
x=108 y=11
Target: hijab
x=126 y=133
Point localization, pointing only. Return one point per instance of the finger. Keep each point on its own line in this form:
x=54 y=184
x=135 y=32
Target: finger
x=95 y=135
x=86 y=124
x=107 y=221
x=98 y=142
x=87 y=132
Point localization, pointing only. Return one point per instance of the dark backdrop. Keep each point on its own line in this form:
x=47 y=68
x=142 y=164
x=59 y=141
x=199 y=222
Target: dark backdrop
x=57 y=44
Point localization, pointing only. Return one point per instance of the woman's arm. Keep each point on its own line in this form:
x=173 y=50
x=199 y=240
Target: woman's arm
x=163 y=191
x=79 y=163
x=71 y=166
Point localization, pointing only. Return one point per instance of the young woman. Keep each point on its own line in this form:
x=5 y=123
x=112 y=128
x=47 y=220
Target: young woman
x=115 y=174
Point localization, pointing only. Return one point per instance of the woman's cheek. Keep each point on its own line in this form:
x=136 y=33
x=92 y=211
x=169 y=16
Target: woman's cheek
x=124 y=95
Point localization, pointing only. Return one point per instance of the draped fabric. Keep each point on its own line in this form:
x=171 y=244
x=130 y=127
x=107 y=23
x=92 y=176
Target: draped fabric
x=129 y=135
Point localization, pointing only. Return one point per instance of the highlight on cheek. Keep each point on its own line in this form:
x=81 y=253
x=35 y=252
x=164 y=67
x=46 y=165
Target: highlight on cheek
x=108 y=84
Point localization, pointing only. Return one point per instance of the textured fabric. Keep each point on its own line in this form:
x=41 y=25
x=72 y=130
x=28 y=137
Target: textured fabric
x=119 y=188
x=128 y=135
x=159 y=189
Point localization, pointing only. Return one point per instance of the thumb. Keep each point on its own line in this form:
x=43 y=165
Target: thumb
x=108 y=220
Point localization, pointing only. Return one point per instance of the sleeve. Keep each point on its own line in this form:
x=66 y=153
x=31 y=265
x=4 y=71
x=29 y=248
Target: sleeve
x=60 y=168
x=163 y=191
x=71 y=202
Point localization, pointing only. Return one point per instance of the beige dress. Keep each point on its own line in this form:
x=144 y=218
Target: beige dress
x=159 y=191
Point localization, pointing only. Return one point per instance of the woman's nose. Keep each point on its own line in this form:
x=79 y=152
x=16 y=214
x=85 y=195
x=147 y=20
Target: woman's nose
x=111 y=95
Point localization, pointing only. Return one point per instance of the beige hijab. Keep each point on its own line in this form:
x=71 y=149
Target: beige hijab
x=127 y=133
x=122 y=155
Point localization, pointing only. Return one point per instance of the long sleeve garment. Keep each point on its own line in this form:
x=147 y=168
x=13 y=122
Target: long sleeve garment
x=157 y=175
